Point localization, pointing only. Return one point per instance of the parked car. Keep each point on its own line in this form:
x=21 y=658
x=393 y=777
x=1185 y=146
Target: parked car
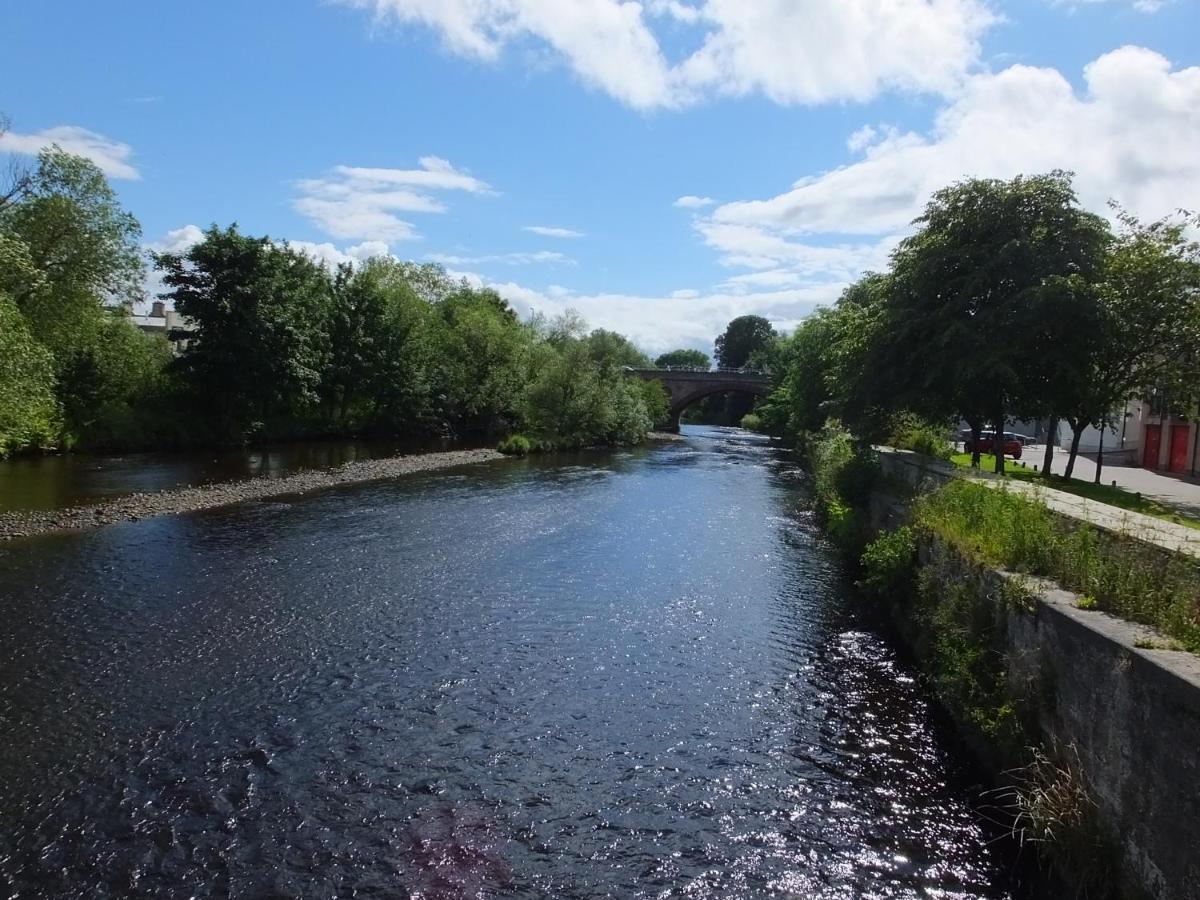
x=987 y=439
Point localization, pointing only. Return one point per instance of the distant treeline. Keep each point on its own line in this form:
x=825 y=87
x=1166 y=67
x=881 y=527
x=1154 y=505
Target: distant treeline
x=282 y=347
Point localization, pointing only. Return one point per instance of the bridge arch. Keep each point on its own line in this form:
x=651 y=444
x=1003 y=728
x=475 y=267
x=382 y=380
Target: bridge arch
x=685 y=386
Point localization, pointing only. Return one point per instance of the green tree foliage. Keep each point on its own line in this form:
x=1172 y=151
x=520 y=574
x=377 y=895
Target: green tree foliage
x=480 y=362
x=67 y=251
x=580 y=395
x=743 y=337
x=260 y=344
x=1146 y=332
x=29 y=415
x=379 y=377
x=966 y=327
x=1009 y=300
x=684 y=359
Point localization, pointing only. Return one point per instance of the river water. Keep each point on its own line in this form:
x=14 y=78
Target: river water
x=631 y=674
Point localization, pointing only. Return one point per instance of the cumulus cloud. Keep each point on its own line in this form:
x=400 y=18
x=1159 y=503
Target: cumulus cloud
x=112 y=157
x=178 y=240
x=1130 y=136
x=683 y=318
x=813 y=52
x=548 y=231
x=693 y=202
x=331 y=256
x=355 y=202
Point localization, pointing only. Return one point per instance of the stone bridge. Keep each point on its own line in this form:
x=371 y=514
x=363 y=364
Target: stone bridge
x=685 y=386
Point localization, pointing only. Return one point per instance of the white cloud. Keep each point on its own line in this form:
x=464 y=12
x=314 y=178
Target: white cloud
x=548 y=231
x=766 y=248
x=362 y=203
x=111 y=156
x=657 y=324
x=1132 y=136
x=693 y=202
x=178 y=240
x=812 y=52
x=1142 y=6
x=509 y=259
x=329 y=255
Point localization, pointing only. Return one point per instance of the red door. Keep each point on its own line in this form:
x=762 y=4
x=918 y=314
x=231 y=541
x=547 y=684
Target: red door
x=1179 y=447
x=1150 y=447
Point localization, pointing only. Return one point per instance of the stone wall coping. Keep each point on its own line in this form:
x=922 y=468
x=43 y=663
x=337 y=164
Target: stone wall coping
x=1170 y=664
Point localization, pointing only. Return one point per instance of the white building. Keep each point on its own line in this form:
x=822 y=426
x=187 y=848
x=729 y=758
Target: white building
x=166 y=322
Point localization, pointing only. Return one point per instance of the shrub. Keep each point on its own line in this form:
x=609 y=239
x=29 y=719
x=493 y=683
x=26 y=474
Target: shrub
x=911 y=432
x=752 y=422
x=889 y=562
x=516 y=445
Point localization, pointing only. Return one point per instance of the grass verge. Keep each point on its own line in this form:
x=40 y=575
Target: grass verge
x=1101 y=493
x=1125 y=577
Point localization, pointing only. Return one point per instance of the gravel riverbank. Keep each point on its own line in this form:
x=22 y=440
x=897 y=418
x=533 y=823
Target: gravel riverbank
x=177 y=500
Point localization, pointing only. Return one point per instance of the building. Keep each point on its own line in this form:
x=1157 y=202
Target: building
x=1169 y=439
x=1121 y=440
x=167 y=322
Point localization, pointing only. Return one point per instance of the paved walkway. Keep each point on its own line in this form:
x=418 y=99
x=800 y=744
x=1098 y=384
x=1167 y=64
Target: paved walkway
x=1182 y=494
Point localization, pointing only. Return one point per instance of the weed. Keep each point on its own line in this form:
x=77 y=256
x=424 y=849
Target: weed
x=1051 y=808
x=888 y=563
x=1120 y=575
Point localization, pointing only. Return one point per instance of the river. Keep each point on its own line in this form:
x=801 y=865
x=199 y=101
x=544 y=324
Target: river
x=628 y=674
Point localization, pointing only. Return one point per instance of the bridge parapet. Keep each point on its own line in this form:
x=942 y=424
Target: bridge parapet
x=686 y=385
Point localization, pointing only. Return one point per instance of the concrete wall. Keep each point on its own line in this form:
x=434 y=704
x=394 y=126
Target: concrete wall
x=1131 y=714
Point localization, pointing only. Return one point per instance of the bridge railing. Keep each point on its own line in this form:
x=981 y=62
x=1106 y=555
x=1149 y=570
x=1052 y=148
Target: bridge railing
x=701 y=369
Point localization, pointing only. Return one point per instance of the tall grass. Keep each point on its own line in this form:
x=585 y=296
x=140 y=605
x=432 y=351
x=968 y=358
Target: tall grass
x=1127 y=578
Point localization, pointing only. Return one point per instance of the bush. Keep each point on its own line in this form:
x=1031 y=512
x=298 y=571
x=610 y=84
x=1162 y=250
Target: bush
x=911 y=432
x=751 y=422
x=516 y=445
x=857 y=477
x=889 y=562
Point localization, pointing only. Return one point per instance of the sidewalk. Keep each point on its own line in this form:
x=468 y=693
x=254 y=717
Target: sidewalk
x=1179 y=493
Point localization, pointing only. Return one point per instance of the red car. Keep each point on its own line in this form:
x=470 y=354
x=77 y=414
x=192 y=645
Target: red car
x=1012 y=446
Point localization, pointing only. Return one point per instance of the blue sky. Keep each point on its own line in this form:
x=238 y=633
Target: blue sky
x=807 y=132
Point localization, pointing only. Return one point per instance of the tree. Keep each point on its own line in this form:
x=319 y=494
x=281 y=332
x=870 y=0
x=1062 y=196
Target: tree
x=479 y=361
x=743 y=336
x=29 y=413
x=260 y=344
x=684 y=359
x=76 y=232
x=381 y=354
x=968 y=283
x=612 y=351
x=1148 y=305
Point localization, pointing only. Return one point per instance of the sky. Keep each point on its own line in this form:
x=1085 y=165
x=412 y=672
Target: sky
x=660 y=167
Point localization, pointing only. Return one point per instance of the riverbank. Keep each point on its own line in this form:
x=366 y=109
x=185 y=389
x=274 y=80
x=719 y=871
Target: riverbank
x=136 y=506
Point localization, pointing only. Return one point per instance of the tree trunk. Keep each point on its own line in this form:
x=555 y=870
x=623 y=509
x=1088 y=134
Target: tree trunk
x=1076 y=434
x=998 y=442
x=1100 y=452
x=1048 y=460
x=976 y=431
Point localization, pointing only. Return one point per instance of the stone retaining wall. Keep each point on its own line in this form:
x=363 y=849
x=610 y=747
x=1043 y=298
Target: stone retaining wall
x=1131 y=714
